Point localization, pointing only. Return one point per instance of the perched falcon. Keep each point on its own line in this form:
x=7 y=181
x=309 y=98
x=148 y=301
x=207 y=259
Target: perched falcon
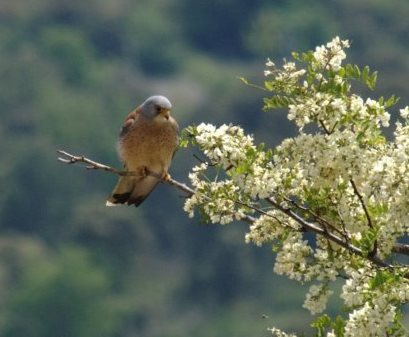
x=147 y=143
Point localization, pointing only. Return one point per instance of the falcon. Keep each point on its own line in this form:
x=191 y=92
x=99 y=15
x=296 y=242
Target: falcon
x=147 y=142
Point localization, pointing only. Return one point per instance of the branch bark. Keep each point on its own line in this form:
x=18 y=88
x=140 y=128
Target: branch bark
x=398 y=248
x=316 y=228
x=68 y=158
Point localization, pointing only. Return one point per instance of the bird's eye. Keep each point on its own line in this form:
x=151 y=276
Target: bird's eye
x=158 y=109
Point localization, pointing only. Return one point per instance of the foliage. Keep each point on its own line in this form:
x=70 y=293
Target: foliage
x=68 y=296
x=339 y=178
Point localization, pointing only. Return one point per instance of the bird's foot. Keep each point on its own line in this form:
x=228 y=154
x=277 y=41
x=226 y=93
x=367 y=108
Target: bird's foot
x=145 y=172
x=166 y=177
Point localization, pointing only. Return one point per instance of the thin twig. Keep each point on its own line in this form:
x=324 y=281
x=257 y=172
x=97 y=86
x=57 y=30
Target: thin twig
x=345 y=232
x=361 y=200
x=90 y=164
x=321 y=122
x=367 y=215
x=317 y=218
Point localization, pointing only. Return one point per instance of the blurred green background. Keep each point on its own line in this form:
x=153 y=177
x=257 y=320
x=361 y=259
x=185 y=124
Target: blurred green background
x=70 y=71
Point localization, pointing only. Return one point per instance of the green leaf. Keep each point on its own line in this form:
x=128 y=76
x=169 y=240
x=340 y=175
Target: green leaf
x=277 y=101
x=372 y=80
x=368 y=240
x=187 y=136
x=391 y=101
x=365 y=74
x=321 y=324
x=244 y=80
x=324 y=323
x=380 y=278
x=269 y=85
x=296 y=55
x=368 y=78
x=339 y=326
x=357 y=71
x=352 y=71
x=307 y=57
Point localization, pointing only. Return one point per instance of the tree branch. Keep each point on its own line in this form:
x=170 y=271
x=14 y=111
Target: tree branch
x=367 y=215
x=90 y=164
x=314 y=228
x=399 y=248
x=68 y=158
x=361 y=200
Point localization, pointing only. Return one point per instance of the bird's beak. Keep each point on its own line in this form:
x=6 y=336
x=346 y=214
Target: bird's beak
x=165 y=113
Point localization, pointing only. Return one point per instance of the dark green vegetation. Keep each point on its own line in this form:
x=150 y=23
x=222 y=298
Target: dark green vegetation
x=70 y=71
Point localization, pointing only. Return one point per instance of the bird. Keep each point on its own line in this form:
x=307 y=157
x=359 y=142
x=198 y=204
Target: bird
x=147 y=143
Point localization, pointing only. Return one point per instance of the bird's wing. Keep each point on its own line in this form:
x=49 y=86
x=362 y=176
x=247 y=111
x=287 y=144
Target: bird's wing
x=130 y=120
x=177 y=135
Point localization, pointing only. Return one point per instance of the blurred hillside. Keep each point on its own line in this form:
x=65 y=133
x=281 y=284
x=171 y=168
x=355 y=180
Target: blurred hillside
x=70 y=71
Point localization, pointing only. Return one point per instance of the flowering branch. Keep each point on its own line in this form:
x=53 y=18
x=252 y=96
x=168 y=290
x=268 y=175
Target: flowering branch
x=68 y=158
x=314 y=228
x=346 y=183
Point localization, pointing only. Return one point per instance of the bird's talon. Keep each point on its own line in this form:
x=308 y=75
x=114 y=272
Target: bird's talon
x=166 y=177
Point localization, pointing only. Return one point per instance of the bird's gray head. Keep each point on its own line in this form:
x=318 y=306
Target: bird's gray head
x=156 y=105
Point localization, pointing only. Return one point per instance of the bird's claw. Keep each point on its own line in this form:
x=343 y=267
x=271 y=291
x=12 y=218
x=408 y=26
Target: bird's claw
x=166 y=177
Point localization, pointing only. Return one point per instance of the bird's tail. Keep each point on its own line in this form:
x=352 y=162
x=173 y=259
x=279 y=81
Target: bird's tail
x=122 y=191
x=131 y=190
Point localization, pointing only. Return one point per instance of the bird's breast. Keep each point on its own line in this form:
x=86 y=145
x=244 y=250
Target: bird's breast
x=149 y=144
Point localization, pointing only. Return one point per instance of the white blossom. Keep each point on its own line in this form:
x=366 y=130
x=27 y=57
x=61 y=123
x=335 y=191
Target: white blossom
x=370 y=321
x=344 y=178
x=292 y=260
x=404 y=112
x=316 y=298
x=279 y=333
x=331 y=55
x=225 y=145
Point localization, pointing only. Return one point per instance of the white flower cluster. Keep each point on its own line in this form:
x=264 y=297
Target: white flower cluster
x=292 y=259
x=359 y=288
x=262 y=181
x=316 y=298
x=345 y=178
x=328 y=260
x=333 y=112
x=404 y=112
x=373 y=295
x=330 y=56
x=370 y=321
x=226 y=146
x=279 y=333
x=386 y=186
x=286 y=78
x=214 y=198
x=270 y=227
